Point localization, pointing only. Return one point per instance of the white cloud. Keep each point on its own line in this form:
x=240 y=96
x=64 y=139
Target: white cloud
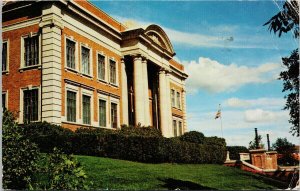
x=215 y=77
x=259 y=102
x=216 y=37
x=263 y=116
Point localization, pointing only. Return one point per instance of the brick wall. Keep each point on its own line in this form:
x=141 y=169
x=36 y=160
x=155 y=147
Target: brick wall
x=15 y=79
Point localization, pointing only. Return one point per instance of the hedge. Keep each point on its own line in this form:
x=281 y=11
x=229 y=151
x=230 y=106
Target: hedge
x=136 y=144
x=234 y=151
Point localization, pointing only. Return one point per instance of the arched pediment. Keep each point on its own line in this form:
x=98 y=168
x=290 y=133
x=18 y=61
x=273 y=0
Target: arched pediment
x=158 y=35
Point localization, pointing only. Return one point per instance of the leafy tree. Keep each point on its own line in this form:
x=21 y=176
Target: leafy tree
x=253 y=145
x=286 y=149
x=288 y=20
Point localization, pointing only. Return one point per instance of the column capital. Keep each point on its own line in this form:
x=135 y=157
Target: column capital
x=122 y=59
x=136 y=56
x=164 y=70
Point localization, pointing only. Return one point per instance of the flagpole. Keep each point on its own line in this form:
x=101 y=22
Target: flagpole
x=221 y=120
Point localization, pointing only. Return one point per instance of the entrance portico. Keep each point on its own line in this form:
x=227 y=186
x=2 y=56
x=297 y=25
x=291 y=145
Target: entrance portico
x=146 y=71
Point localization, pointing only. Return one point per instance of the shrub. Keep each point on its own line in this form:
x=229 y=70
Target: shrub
x=47 y=136
x=234 y=151
x=19 y=155
x=141 y=144
x=147 y=149
x=58 y=171
x=193 y=137
x=140 y=131
x=217 y=141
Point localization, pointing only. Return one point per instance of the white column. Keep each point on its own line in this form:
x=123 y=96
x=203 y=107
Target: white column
x=162 y=104
x=51 y=64
x=138 y=83
x=124 y=93
x=184 y=111
x=168 y=104
x=146 y=94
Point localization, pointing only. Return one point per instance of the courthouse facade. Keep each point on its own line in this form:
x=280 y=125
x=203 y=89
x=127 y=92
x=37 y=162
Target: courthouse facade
x=71 y=64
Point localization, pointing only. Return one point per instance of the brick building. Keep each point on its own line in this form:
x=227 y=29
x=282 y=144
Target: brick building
x=69 y=63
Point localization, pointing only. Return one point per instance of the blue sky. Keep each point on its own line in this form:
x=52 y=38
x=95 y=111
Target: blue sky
x=231 y=59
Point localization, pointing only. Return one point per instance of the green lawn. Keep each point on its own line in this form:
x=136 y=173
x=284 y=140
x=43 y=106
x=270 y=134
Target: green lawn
x=119 y=174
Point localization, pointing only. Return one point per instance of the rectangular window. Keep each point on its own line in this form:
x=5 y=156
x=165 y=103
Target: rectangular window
x=114 y=115
x=175 y=128
x=31 y=54
x=173 y=97
x=86 y=109
x=101 y=67
x=70 y=49
x=178 y=100
x=4 y=56
x=30 y=105
x=180 y=128
x=85 y=60
x=113 y=72
x=71 y=106
x=4 y=101
x=102 y=113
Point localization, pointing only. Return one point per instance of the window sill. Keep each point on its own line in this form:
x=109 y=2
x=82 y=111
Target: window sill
x=86 y=75
x=114 y=85
x=173 y=107
x=5 y=72
x=102 y=81
x=30 y=67
x=67 y=69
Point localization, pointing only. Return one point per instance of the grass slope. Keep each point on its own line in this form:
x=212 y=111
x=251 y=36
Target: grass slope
x=119 y=174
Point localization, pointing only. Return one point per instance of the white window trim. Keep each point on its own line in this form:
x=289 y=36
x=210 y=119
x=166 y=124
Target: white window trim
x=174 y=106
x=116 y=101
x=29 y=87
x=76 y=90
x=23 y=51
x=180 y=103
x=106 y=68
x=76 y=54
x=6 y=98
x=104 y=98
x=117 y=71
x=7 y=55
x=177 y=125
x=90 y=94
x=91 y=60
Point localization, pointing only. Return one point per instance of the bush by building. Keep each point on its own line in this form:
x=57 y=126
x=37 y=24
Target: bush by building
x=19 y=155
x=24 y=167
x=141 y=144
x=234 y=151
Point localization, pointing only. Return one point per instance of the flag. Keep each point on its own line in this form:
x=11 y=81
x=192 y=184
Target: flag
x=218 y=114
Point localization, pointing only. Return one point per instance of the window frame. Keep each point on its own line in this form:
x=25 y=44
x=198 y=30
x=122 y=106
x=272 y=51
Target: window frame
x=178 y=121
x=180 y=129
x=22 y=57
x=7 y=56
x=21 y=114
x=82 y=109
x=82 y=45
x=69 y=87
x=76 y=69
x=173 y=98
x=109 y=72
x=5 y=93
x=117 y=102
x=178 y=100
x=175 y=129
x=75 y=106
x=105 y=67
